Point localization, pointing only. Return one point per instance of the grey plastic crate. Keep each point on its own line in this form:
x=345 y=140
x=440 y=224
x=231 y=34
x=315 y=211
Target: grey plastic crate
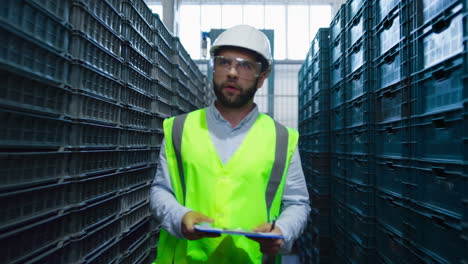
x=93 y=136
x=143 y=27
x=132 y=138
x=25 y=17
x=134 y=118
x=165 y=49
x=59 y=9
x=143 y=10
x=438 y=137
x=165 y=63
x=438 y=42
x=353 y=7
x=32 y=59
x=391 y=212
x=161 y=75
x=136 y=99
x=163 y=108
x=337 y=24
x=36 y=202
x=31 y=131
x=85 y=78
x=86 y=51
x=22 y=169
x=91 y=109
x=84 y=21
x=135 y=198
x=438 y=186
x=183 y=90
x=135 y=215
x=138 y=42
x=84 y=163
x=157 y=122
x=436 y=236
x=94 y=188
x=424 y=12
x=137 y=60
x=135 y=179
x=84 y=248
x=138 y=158
x=384 y=8
x=163 y=94
x=30 y=95
x=162 y=31
x=182 y=104
x=137 y=80
x=108 y=11
x=390 y=34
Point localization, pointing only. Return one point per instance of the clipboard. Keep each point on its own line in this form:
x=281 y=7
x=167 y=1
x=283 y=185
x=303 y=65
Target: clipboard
x=205 y=227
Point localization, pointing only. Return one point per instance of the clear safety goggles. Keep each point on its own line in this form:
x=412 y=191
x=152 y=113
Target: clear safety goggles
x=246 y=69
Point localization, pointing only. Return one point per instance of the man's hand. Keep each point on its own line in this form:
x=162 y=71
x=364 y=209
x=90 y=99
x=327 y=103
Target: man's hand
x=189 y=220
x=268 y=246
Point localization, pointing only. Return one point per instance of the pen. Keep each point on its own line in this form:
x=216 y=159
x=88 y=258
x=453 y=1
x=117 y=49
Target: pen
x=273 y=225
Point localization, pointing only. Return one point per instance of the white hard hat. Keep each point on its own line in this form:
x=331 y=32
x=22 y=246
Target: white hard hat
x=244 y=36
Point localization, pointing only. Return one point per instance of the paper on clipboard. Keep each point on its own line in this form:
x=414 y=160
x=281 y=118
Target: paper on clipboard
x=205 y=227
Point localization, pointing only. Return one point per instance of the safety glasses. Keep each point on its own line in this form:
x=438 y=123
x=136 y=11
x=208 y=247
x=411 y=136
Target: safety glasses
x=246 y=69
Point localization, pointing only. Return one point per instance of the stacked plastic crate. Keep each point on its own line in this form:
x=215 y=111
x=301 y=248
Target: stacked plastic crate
x=314 y=145
x=436 y=187
x=79 y=142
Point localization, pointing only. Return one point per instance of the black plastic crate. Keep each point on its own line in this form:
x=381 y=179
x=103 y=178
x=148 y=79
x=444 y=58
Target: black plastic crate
x=86 y=79
x=34 y=203
x=162 y=31
x=393 y=248
x=321 y=222
x=317 y=143
x=392 y=69
x=438 y=186
x=163 y=76
x=139 y=252
x=359 y=84
x=392 y=140
x=59 y=9
x=184 y=90
x=337 y=95
x=135 y=59
x=339 y=190
x=163 y=94
x=157 y=122
x=86 y=51
x=385 y=8
x=320 y=43
x=165 y=63
x=337 y=24
x=23 y=17
x=438 y=90
x=359 y=57
x=22 y=169
x=360 y=140
x=94 y=188
x=355 y=252
x=391 y=212
x=131 y=237
x=109 y=254
x=87 y=108
x=24 y=131
x=135 y=119
x=94 y=136
x=162 y=108
x=338 y=166
x=33 y=59
x=391 y=173
x=85 y=163
x=392 y=104
x=84 y=248
x=134 y=138
x=438 y=137
x=337 y=118
x=138 y=42
x=361 y=228
x=84 y=21
x=358 y=29
x=360 y=198
x=320 y=123
x=337 y=49
x=424 y=12
x=360 y=112
x=163 y=48
x=139 y=23
x=182 y=104
x=143 y=10
x=337 y=71
x=354 y=7
x=320 y=183
x=392 y=30
x=135 y=179
x=136 y=99
x=133 y=216
x=30 y=95
x=438 y=41
x=138 y=158
x=108 y=11
x=360 y=169
x=138 y=81
x=436 y=236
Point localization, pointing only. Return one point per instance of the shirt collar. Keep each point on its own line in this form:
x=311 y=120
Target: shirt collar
x=249 y=119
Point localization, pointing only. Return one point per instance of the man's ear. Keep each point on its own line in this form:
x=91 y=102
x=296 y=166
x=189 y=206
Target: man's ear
x=262 y=78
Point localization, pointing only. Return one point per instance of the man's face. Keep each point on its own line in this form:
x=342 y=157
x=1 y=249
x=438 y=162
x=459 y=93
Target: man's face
x=233 y=86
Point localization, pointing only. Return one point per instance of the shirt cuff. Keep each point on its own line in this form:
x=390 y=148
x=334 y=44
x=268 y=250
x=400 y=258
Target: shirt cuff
x=286 y=246
x=177 y=222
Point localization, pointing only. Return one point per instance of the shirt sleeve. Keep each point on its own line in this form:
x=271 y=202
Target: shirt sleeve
x=295 y=204
x=163 y=204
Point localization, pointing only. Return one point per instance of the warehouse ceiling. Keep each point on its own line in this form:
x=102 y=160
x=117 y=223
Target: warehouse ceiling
x=267 y=2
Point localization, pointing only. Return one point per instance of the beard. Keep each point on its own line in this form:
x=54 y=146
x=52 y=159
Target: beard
x=235 y=101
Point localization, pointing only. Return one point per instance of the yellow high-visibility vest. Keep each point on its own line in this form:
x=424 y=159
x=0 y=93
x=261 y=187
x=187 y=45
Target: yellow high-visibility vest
x=243 y=193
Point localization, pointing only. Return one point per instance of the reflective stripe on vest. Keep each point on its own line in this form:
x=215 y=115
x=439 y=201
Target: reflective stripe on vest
x=281 y=151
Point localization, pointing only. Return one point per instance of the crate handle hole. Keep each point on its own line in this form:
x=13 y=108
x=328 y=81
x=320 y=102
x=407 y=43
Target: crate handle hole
x=439 y=122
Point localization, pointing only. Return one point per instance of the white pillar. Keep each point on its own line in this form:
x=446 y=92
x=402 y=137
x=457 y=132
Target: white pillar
x=171 y=15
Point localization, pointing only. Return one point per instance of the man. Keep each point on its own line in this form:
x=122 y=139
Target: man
x=229 y=166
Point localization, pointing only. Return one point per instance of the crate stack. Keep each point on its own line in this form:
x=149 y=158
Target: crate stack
x=82 y=105
x=315 y=146
x=397 y=149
